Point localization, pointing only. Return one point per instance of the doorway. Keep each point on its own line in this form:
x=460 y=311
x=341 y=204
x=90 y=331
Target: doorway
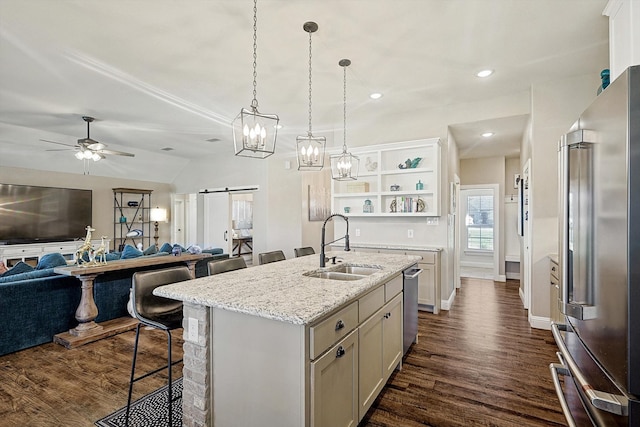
x=479 y=224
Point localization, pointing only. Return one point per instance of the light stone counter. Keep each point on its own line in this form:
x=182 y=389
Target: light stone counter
x=280 y=291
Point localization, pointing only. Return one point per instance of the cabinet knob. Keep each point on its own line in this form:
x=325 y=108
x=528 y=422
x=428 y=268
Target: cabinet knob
x=340 y=352
x=339 y=325
x=387 y=315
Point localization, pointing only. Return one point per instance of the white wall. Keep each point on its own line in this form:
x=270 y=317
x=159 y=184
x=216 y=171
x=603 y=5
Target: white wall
x=555 y=106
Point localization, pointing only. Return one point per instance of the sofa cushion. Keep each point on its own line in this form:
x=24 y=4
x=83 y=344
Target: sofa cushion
x=112 y=256
x=28 y=275
x=19 y=268
x=130 y=252
x=212 y=251
x=166 y=248
x=150 y=250
x=51 y=260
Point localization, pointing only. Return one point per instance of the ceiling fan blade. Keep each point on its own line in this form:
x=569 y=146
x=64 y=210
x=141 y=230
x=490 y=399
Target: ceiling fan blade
x=116 y=153
x=61 y=149
x=59 y=143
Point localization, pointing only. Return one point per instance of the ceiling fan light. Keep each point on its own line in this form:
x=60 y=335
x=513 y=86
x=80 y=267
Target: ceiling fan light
x=79 y=155
x=95 y=157
x=87 y=154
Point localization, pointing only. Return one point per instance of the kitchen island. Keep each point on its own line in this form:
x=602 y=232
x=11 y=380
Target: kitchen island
x=270 y=345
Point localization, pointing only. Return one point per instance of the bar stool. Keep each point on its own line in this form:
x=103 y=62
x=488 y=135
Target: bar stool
x=273 y=256
x=307 y=250
x=222 y=266
x=157 y=312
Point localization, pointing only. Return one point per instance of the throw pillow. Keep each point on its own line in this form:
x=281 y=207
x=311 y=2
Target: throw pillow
x=130 y=252
x=20 y=267
x=166 y=248
x=51 y=260
x=150 y=250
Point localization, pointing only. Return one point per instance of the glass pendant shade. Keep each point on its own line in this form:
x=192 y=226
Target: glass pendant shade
x=254 y=133
x=344 y=166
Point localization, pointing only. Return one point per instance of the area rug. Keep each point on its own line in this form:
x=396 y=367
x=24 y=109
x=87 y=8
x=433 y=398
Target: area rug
x=149 y=411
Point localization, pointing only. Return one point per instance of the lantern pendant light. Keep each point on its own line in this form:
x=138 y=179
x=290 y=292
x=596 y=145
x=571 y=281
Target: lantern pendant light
x=344 y=166
x=310 y=148
x=254 y=133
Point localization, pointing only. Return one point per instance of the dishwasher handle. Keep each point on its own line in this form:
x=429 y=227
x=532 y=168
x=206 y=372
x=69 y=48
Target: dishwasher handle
x=412 y=273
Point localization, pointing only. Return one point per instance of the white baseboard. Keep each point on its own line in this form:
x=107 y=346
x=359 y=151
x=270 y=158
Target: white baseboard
x=540 y=322
x=521 y=293
x=500 y=278
x=446 y=304
x=515 y=276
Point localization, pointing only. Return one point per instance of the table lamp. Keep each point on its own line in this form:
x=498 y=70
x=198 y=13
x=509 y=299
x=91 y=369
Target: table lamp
x=156 y=215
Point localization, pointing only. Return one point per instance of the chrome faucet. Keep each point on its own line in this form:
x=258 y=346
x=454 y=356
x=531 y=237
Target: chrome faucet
x=323 y=259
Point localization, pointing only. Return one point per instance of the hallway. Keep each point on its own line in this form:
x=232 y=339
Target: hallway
x=478 y=364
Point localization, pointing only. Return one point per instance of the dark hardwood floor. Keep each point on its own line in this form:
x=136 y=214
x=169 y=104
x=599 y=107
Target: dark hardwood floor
x=479 y=364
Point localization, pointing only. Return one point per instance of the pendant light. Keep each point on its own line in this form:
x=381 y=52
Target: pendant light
x=254 y=133
x=310 y=148
x=344 y=166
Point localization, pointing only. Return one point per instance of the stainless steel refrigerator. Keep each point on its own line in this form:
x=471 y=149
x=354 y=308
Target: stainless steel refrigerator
x=599 y=258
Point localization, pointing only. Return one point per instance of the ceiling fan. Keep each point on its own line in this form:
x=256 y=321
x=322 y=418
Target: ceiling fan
x=89 y=149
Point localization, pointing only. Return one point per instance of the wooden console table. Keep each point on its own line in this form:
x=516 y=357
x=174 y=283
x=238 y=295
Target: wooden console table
x=88 y=330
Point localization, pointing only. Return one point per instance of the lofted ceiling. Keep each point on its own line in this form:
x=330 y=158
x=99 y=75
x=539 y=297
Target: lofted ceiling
x=164 y=79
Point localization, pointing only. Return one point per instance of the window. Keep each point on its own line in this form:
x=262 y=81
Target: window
x=479 y=223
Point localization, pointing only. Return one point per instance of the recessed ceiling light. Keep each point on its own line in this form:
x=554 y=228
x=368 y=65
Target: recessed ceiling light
x=487 y=134
x=278 y=126
x=375 y=95
x=484 y=73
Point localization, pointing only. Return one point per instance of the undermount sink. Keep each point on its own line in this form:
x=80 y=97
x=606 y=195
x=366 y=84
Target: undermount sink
x=344 y=272
x=356 y=269
x=334 y=275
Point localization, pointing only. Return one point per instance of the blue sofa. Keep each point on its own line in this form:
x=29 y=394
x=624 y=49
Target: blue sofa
x=38 y=304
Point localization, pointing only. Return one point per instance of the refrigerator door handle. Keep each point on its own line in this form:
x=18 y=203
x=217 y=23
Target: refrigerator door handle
x=573 y=140
x=614 y=403
x=556 y=370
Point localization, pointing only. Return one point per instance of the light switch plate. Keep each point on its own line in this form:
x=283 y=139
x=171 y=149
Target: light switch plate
x=357 y=232
x=410 y=233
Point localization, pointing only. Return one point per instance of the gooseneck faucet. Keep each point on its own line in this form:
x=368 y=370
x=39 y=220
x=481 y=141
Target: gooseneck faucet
x=323 y=260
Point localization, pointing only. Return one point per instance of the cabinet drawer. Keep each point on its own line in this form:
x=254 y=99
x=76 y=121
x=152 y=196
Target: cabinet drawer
x=370 y=303
x=326 y=333
x=393 y=287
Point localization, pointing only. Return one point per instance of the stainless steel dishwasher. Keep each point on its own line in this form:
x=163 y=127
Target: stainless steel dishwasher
x=410 y=289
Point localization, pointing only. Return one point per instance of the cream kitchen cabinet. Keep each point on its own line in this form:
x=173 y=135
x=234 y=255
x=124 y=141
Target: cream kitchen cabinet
x=380 y=351
x=334 y=378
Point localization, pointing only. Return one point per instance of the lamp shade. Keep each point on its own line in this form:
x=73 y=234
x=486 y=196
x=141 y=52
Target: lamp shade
x=158 y=214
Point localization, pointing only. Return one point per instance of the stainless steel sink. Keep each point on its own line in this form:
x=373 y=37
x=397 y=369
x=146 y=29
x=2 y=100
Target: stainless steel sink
x=334 y=275
x=357 y=269
x=344 y=272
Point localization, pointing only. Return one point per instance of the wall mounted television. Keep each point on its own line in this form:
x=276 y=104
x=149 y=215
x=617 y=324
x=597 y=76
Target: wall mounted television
x=31 y=214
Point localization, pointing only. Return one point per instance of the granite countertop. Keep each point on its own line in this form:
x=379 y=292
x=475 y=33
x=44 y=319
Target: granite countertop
x=391 y=246
x=280 y=291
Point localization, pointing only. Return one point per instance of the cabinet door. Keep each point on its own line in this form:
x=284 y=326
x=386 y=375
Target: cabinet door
x=334 y=385
x=371 y=360
x=426 y=285
x=392 y=335
x=380 y=350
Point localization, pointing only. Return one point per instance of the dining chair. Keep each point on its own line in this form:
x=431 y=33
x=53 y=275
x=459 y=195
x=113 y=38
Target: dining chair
x=273 y=256
x=156 y=312
x=308 y=250
x=224 y=265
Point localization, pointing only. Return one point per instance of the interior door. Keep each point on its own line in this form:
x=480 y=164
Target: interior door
x=216 y=221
